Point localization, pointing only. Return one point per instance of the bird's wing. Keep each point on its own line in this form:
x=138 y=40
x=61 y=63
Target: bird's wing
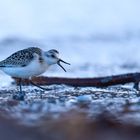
x=21 y=58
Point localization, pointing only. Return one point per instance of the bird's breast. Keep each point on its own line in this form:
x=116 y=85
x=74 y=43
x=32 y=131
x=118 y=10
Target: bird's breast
x=34 y=68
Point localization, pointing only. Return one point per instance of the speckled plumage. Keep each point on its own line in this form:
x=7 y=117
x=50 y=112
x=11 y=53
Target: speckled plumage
x=21 y=58
x=30 y=62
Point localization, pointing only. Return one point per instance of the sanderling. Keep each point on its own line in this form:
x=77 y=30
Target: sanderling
x=28 y=63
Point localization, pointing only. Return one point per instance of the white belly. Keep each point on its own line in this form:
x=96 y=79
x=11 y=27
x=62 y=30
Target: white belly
x=33 y=69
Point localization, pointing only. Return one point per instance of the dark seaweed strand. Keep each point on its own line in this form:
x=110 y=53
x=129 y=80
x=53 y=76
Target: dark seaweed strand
x=21 y=58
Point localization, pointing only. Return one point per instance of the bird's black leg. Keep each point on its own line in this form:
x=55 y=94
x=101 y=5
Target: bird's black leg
x=21 y=94
x=38 y=86
x=20 y=86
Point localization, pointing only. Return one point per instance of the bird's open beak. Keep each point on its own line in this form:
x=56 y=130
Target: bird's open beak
x=60 y=60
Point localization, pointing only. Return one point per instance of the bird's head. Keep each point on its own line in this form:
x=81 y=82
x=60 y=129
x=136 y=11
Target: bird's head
x=52 y=57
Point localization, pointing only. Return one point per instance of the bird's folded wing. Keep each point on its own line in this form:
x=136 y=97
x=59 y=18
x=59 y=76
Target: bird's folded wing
x=20 y=59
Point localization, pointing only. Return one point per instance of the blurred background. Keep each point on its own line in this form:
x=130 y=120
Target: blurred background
x=98 y=37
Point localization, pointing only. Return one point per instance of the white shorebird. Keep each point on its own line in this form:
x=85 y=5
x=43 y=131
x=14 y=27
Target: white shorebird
x=28 y=63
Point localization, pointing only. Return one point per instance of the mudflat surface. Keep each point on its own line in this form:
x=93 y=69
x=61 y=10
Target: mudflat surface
x=65 y=112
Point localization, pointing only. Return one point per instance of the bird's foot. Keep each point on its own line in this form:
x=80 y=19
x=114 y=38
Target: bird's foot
x=20 y=96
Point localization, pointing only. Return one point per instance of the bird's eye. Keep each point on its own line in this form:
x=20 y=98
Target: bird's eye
x=53 y=56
